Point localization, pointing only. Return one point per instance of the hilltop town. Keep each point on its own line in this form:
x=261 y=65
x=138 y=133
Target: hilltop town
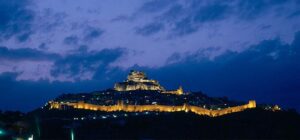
x=140 y=94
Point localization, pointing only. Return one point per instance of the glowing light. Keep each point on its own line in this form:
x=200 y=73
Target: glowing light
x=72 y=135
x=120 y=106
x=30 y=138
x=103 y=117
x=1 y=132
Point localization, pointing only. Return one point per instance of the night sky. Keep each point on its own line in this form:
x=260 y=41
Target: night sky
x=242 y=49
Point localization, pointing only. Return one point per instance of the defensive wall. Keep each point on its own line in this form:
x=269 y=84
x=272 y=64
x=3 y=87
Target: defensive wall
x=158 y=108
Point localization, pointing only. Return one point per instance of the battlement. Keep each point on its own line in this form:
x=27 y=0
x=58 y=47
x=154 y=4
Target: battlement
x=120 y=106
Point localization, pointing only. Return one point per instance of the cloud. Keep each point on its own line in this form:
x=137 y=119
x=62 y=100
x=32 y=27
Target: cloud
x=294 y=14
x=155 y=5
x=211 y=13
x=187 y=17
x=267 y=72
x=248 y=9
x=15 y=19
x=71 y=40
x=35 y=65
x=25 y=54
x=82 y=65
x=150 y=29
x=93 y=33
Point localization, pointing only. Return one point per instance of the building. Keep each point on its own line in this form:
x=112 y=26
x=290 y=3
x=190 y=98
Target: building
x=137 y=80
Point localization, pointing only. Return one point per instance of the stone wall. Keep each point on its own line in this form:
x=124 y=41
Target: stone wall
x=158 y=108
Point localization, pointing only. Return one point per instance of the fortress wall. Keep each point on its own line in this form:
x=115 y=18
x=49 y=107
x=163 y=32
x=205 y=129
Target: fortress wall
x=159 y=108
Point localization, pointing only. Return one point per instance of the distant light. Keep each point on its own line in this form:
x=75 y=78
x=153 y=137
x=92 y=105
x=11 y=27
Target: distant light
x=1 y=132
x=94 y=118
x=82 y=118
x=30 y=138
x=103 y=117
x=115 y=116
x=125 y=115
x=72 y=135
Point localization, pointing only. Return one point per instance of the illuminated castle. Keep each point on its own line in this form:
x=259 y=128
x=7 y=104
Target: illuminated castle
x=159 y=101
x=137 y=80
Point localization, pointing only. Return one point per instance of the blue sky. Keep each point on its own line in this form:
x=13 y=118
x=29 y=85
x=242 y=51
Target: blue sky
x=241 y=49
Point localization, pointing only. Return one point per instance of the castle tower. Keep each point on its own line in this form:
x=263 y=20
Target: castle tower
x=252 y=104
x=137 y=80
x=180 y=90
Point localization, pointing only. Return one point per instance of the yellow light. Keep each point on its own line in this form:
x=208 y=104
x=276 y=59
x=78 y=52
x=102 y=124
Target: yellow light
x=160 y=108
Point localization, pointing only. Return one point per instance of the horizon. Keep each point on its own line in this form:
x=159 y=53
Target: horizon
x=241 y=49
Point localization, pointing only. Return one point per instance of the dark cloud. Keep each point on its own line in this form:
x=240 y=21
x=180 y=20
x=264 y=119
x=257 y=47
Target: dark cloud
x=249 y=9
x=15 y=19
x=92 y=33
x=211 y=13
x=25 y=54
x=173 y=13
x=84 y=61
x=24 y=36
x=294 y=14
x=43 y=46
x=71 y=40
x=267 y=72
x=184 y=27
x=155 y=5
x=186 y=18
x=202 y=14
x=150 y=29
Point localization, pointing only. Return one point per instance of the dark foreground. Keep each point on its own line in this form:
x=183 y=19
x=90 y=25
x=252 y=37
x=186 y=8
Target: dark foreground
x=250 y=124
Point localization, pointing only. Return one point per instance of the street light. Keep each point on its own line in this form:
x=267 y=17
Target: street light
x=2 y=132
x=72 y=135
x=30 y=138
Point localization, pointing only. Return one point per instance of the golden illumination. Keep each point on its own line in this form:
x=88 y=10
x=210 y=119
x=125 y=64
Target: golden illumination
x=120 y=106
x=137 y=80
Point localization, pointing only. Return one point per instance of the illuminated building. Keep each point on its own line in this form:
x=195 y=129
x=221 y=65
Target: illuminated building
x=137 y=80
x=140 y=94
x=120 y=106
